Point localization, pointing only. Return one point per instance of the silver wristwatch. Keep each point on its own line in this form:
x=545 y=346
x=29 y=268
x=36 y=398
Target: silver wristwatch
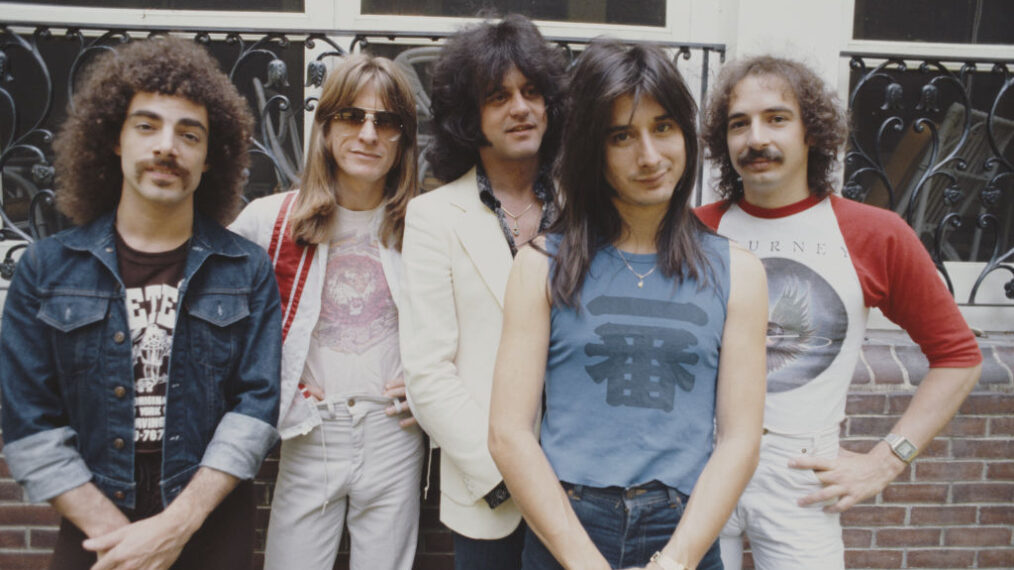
x=902 y=447
x=666 y=563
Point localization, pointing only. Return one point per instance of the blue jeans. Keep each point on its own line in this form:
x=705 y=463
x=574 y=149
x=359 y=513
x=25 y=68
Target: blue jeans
x=498 y=554
x=626 y=525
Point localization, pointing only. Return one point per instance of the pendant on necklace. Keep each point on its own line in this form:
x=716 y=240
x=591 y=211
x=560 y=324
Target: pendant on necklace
x=640 y=284
x=516 y=231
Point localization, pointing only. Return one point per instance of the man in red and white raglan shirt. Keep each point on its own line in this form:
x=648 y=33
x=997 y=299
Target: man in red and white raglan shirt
x=774 y=131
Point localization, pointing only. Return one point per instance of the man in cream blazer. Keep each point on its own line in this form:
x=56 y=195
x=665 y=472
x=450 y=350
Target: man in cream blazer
x=458 y=248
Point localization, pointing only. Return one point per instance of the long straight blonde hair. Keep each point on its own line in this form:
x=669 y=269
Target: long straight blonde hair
x=316 y=205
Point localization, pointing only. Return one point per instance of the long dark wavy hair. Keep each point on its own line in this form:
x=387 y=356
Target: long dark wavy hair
x=824 y=121
x=317 y=203
x=89 y=177
x=474 y=60
x=588 y=220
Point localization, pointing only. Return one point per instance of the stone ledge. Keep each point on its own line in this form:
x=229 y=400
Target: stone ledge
x=891 y=361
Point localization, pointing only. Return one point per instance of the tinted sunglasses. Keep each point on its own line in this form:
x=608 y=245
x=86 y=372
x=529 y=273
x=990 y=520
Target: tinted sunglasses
x=387 y=124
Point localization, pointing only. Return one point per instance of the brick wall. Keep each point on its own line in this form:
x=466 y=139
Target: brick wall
x=953 y=508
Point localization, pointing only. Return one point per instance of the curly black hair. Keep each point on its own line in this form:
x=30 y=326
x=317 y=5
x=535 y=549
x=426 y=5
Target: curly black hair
x=824 y=121
x=475 y=59
x=89 y=177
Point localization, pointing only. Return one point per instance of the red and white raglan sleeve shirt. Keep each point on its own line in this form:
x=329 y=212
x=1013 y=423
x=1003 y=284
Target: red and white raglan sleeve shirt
x=828 y=260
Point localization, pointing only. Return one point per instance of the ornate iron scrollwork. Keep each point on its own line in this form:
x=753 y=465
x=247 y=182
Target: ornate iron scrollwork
x=924 y=145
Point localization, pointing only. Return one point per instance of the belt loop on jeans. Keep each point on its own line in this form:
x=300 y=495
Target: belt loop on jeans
x=573 y=491
x=674 y=497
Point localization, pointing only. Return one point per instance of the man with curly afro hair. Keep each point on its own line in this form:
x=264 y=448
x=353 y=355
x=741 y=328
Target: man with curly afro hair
x=140 y=351
x=774 y=130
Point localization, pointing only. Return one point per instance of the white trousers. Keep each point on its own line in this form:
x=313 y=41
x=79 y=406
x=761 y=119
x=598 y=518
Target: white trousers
x=360 y=466
x=783 y=535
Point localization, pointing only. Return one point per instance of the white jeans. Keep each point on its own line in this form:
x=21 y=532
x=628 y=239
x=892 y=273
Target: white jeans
x=360 y=461
x=783 y=535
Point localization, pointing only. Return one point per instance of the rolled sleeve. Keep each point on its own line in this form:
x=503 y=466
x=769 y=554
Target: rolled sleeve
x=47 y=464
x=247 y=431
x=239 y=445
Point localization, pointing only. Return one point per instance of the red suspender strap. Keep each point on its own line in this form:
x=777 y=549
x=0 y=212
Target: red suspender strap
x=291 y=262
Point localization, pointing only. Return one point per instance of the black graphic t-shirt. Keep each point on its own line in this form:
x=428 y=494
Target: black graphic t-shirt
x=152 y=281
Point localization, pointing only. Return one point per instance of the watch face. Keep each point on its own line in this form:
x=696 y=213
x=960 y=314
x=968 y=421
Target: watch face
x=906 y=448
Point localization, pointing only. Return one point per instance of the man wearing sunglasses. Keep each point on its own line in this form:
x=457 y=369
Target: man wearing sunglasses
x=351 y=455
x=497 y=112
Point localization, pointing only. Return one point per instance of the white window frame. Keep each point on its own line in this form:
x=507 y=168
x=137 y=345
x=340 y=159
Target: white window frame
x=982 y=315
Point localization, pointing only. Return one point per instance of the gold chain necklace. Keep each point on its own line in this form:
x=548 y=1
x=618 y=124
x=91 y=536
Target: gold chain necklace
x=640 y=276
x=516 y=230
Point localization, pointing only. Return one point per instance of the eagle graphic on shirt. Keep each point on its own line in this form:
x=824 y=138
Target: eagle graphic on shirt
x=806 y=324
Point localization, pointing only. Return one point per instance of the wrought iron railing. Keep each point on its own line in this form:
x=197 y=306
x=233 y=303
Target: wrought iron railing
x=39 y=64
x=933 y=139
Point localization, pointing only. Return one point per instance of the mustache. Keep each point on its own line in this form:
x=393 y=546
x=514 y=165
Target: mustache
x=168 y=163
x=752 y=154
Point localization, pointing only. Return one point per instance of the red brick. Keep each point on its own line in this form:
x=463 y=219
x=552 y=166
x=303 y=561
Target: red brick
x=940 y=558
x=988 y=404
x=37 y=515
x=996 y=515
x=946 y=515
x=1003 y=425
x=12 y=538
x=898 y=403
x=938 y=448
x=24 y=560
x=877 y=426
x=983 y=448
x=865 y=404
x=948 y=470
x=43 y=537
x=10 y=491
x=996 y=558
x=908 y=537
x=913 y=360
x=983 y=493
x=965 y=427
x=857 y=537
x=978 y=536
x=886 y=369
x=1002 y=470
x=873 y=515
x=914 y=493
x=873 y=558
x=861 y=376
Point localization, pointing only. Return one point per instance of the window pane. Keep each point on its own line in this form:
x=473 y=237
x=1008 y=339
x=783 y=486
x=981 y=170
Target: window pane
x=227 y=5
x=631 y=12
x=949 y=21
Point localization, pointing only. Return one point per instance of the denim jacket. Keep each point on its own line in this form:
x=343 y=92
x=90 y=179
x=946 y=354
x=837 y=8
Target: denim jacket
x=66 y=379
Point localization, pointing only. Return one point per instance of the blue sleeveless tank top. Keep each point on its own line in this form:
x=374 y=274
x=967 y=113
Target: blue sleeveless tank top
x=630 y=378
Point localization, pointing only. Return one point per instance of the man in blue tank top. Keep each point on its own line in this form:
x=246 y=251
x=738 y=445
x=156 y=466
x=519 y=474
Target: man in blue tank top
x=640 y=329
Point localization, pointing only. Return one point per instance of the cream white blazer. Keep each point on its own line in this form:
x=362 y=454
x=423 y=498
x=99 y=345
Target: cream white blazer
x=455 y=263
